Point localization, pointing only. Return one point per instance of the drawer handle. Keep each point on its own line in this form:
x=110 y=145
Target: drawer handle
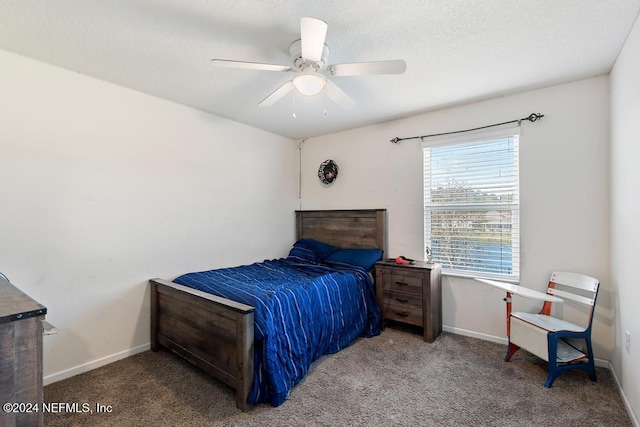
x=402 y=284
x=402 y=314
x=404 y=301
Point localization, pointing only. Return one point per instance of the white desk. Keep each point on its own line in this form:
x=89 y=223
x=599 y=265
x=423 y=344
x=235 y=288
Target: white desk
x=521 y=290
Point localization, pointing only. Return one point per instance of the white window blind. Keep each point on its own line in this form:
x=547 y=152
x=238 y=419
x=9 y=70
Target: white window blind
x=471 y=204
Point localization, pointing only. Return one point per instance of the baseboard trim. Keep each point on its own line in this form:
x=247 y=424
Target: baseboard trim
x=86 y=367
x=632 y=415
x=473 y=334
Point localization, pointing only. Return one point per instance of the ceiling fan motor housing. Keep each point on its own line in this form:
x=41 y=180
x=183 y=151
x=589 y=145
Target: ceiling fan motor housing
x=304 y=64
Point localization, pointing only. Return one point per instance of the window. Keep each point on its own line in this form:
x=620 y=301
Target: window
x=471 y=204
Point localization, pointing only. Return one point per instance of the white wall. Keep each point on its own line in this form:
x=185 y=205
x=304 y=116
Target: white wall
x=625 y=212
x=103 y=188
x=564 y=173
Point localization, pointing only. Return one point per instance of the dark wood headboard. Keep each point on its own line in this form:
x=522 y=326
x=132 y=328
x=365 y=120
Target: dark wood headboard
x=363 y=228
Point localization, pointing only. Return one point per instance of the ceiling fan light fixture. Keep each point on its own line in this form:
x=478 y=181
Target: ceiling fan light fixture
x=309 y=84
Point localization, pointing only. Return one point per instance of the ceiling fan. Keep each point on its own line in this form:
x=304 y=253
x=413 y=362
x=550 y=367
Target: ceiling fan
x=309 y=56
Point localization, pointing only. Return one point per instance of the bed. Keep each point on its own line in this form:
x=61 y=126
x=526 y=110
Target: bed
x=211 y=319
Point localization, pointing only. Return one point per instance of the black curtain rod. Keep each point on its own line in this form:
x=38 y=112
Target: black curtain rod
x=532 y=118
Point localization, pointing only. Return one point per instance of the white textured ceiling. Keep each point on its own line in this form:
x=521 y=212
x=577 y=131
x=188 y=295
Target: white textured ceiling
x=456 y=51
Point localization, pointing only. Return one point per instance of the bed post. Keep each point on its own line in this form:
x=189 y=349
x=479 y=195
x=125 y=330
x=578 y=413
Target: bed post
x=154 y=316
x=244 y=353
x=381 y=234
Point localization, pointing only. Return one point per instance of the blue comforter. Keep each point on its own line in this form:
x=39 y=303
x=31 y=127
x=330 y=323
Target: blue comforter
x=303 y=311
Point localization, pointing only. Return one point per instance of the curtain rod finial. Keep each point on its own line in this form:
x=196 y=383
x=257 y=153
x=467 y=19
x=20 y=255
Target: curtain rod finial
x=534 y=117
x=395 y=140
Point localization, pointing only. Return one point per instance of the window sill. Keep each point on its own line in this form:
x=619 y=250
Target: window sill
x=472 y=276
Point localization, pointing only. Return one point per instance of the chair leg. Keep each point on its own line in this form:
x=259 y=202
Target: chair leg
x=591 y=368
x=511 y=349
x=552 y=349
x=551 y=377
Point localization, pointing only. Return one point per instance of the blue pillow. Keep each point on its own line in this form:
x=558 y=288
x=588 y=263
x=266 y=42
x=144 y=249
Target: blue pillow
x=301 y=253
x=323 y=250
x=364 y=258
x=311 y=250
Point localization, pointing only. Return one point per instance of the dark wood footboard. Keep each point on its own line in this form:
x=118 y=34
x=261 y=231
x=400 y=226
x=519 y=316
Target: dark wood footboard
x=211 y=332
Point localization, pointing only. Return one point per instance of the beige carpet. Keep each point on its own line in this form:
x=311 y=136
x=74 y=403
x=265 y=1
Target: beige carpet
x=394 y=379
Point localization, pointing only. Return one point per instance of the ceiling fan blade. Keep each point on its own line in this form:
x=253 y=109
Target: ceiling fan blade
x=249 y=65
x=277 y=94
x=312 y=34
x=397 y=66
x=338 y=96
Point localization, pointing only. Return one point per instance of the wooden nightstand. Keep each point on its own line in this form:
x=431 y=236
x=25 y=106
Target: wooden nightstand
x=411 y=294
x=21 y=356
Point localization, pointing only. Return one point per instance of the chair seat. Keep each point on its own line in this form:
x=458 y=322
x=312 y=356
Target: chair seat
x=548 y=323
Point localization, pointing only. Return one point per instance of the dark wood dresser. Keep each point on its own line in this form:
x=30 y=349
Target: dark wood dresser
x=21 y=332
x=411 y=294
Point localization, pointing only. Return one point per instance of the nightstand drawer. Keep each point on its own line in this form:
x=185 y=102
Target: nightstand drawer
x=404 y=314
x=403 y=283
x=401 y=300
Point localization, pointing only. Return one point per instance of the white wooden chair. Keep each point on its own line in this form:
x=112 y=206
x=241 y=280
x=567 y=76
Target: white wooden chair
x=564 y=345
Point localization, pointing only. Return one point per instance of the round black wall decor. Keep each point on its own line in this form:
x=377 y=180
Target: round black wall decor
x=328 y=171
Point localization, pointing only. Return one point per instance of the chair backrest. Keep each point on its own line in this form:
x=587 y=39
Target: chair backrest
x=576 y=287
